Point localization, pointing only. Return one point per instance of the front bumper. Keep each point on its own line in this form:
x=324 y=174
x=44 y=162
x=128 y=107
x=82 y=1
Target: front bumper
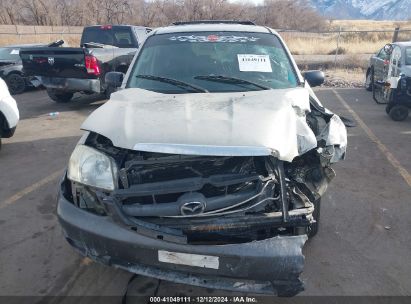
x=72 y=84
x=270 y=266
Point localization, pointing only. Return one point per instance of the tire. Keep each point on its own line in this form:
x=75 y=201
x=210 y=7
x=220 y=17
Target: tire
x=388 y=109
x=369 y=81
x=398 y=113
x=313 y=228
x=59 y=96
x=0 y=143
x=16 y=84
x=108 y=92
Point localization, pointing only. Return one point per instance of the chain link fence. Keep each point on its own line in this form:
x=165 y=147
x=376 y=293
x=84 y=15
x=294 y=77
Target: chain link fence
x=23 y=34
x=340 y=48
x=342 y=52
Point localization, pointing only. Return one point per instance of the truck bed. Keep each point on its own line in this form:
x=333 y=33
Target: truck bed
x=63 y=62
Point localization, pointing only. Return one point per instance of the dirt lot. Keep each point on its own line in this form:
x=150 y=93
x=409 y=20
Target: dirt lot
x=363 y=247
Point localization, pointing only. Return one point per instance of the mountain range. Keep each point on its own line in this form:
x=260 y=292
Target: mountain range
x=364 y=9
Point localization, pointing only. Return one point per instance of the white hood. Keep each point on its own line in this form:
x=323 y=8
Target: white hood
x=229 y=124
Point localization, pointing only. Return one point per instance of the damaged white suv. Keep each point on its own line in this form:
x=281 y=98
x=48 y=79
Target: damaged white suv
x=208 y=165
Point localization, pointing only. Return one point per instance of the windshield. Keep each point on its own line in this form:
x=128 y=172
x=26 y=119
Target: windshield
x=117 y=36
x=408 y=56
x=11 y=54
x=213 y=61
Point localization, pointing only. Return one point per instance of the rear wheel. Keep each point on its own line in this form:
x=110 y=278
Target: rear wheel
x=313 y=228
x=59 y=96
x=369 y=81
x=398 y=113
x=109 y=91
x=16 y=84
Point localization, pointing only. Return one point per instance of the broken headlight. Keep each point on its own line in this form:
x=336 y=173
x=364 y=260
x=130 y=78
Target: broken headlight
x=93 y=168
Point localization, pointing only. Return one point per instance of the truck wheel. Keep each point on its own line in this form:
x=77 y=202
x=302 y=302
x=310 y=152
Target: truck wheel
x=108 y=92
x=398 y=113
x=388 y=108
x=16 y=84
x=313 y=228
x=369 y=82
x=60 y=96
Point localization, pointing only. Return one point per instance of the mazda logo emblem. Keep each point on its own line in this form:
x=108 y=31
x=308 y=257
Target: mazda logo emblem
x=192 y=208
x=50 y=60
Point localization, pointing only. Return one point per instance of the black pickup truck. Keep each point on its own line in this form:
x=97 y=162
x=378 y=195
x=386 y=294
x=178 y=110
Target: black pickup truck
x=66 y=70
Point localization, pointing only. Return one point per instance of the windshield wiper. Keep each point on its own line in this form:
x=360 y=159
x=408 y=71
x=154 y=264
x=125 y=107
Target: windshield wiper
x=175 y=82
x=231 y=80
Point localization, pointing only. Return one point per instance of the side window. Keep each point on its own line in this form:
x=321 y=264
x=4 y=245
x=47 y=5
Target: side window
x=408 y=56
x=123 y=38
x=395 y=62
x=382 y=54
x=396 y=56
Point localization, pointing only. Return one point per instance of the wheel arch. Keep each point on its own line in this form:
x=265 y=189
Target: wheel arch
x=12 y=72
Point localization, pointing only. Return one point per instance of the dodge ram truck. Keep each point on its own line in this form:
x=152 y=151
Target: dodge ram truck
x=65 y=70
x=208 y=165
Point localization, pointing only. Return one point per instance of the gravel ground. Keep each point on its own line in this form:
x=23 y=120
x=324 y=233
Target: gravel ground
x=335 y=82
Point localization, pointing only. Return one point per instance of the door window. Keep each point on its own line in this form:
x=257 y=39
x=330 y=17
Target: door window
x=383 y=55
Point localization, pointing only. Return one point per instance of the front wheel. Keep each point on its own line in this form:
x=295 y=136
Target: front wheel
x=369 y=81
x=398 y=113
x=59 y=96
x=16 y=84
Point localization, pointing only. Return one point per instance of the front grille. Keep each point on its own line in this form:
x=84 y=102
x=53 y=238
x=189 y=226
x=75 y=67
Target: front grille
x=209 y=191
x=160 y=169
x=159 y=186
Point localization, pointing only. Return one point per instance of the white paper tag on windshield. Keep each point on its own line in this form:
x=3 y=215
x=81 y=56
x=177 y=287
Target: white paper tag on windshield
x=254 y=63
x=14 y=52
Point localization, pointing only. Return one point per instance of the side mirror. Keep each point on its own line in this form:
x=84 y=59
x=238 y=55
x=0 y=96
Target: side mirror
x=314 y=78
x=114 y=79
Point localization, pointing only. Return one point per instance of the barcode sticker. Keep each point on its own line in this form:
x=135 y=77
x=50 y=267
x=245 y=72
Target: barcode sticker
x=254 y=63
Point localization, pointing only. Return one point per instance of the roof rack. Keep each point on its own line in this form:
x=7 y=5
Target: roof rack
x=243 y=22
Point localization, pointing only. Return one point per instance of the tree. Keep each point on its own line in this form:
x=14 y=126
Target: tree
x=289 y=14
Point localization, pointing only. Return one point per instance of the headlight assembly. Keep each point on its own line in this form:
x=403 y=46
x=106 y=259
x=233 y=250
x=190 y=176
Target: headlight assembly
x=93 y=168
